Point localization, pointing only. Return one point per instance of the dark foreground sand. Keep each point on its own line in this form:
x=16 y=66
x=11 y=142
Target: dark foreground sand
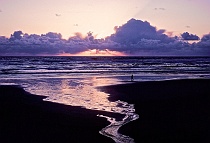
x=175 y=111
x=25 y=118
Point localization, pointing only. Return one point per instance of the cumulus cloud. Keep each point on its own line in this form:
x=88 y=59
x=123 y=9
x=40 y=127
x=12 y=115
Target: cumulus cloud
x=138 y=36
x=204 y=43
x=135 y=30
x=203 y=46
x=16 y=35
x=206 y=38
x=135 y=37
x=188 y=36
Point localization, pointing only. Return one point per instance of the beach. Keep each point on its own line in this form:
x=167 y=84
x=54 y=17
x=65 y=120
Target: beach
x=27 y=118
x=169 y=111
x=173 y=111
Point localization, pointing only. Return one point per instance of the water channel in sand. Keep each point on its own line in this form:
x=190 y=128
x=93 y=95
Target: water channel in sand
x=111 y=130
x=83 y=93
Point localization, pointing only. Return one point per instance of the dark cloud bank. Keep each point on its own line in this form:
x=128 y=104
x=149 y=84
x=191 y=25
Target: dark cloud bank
x=136 y=37
x=188 y=36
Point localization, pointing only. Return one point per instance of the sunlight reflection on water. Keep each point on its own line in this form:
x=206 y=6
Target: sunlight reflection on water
x=76 y=93
x=83 y=95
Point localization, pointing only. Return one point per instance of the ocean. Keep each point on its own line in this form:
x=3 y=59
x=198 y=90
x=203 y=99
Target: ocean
x=144 y=68
x=73 y=80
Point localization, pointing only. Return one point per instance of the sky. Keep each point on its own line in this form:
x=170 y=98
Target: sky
x=175 y=18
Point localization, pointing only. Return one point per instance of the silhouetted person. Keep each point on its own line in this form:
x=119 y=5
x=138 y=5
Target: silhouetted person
x=132 y=77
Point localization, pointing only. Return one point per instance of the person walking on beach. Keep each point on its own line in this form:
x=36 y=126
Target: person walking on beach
x=132 y=79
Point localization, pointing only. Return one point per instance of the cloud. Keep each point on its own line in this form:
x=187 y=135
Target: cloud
x=57 y=15
x=52 y=35
x=135 y=37
x=162 y=9
x=204 y=42
x=187 y=26
x=0 y=10
x=16 y=35
x=188 y=36
x=134 y=31
x=203 y=46
x=206 y=38
x=138 y=37
x=159 y=8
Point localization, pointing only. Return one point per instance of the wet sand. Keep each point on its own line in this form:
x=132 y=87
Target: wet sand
x=175 y=111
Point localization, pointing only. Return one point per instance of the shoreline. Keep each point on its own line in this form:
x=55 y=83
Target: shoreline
x=169 y=111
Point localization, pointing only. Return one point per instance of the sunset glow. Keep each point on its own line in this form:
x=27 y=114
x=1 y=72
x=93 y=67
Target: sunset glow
x=96 y=52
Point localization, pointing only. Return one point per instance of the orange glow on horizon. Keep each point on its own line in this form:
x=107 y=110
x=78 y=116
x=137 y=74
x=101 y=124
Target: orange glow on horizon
x=96 y=52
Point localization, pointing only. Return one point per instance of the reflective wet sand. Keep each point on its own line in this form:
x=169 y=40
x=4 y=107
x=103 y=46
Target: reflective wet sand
x=84 y=94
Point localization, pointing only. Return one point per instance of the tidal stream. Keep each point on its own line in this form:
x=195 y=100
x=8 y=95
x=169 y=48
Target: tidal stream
x=82 y=93
x=111 y=130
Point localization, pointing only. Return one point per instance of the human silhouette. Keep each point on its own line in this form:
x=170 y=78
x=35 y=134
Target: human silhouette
x=132 y=77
